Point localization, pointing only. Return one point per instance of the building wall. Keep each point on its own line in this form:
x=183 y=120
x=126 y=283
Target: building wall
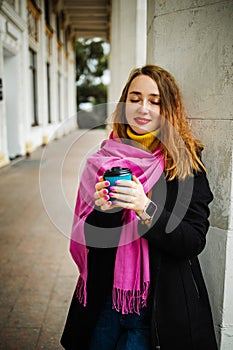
x=193 y=40
x=18 y=134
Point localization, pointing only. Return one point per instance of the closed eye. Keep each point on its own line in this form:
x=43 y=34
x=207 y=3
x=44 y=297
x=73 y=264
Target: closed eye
x=155 y=103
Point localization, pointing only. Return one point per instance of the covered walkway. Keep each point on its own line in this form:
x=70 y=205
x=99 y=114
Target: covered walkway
x=37 y=274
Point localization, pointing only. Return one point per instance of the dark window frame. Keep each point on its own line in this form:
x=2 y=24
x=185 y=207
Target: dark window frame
x=33 y=69
x=49 y=92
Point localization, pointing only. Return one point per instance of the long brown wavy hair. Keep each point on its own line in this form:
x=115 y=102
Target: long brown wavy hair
x=181 y=150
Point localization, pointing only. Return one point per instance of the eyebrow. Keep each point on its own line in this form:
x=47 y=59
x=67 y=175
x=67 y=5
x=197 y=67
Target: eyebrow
x=139 y=93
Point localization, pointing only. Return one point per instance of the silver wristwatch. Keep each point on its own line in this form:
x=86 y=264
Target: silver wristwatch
x=149 y=211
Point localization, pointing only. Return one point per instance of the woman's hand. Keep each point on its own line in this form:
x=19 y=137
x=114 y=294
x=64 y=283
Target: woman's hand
x=129 y=195
x=101 y=195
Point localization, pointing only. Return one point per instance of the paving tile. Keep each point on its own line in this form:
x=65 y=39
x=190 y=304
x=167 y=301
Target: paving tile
x=18 y=265
x=29 y=310
x=11 y=287
x=68 y=267
x=49 y=341
x=55 y=318
x=63 y=291
x=5 y=311
x=39 y=284
x=18 y=338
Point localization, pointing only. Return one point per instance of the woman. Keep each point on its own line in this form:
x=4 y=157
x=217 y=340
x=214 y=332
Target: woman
x=136 y=243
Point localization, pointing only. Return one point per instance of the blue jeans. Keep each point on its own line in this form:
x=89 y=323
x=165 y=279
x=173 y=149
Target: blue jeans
x=115 y=331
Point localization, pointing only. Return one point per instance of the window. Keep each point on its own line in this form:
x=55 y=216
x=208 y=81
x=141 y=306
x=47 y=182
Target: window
x=33 y=87
x=58 y=27
x=33 y=17
x=48 y=93
x=59 y=95
x=47 y=6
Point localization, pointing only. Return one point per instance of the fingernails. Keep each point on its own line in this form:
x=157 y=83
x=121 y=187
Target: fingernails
x=109 y=203
x=111 y=194
x=117 y=182
x=107 y=183
x=112 y=188
x=114 y=202
x=106 y=197
x=105 y=191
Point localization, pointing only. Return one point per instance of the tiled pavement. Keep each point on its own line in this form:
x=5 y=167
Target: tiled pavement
x=37 y=274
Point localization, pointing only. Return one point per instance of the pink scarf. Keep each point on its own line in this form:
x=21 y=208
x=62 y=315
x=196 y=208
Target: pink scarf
x=131 y=272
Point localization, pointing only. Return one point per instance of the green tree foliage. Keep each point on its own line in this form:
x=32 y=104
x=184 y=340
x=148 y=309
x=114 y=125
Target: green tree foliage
x=91 y=62
x=94 y=93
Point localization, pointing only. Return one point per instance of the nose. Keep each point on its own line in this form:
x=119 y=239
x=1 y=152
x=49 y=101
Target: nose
x=143 y=109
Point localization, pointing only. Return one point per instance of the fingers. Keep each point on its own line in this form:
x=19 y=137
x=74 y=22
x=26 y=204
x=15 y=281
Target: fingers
x=101 y=195
x=136 y=180
x=122 y=197
x=128 y=194
x=104 y=204
x=124 y=190
x=126 y=183
x=101 y=184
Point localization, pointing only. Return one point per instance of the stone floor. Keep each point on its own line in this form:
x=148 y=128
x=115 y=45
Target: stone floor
x=37 y=274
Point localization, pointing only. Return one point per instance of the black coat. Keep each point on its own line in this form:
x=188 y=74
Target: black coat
x=180 y=314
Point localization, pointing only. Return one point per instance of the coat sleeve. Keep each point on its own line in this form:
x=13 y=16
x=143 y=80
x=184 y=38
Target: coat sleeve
x=181 y=231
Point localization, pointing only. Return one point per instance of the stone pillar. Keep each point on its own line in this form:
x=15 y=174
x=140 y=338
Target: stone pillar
x=42 y=77
x=4 y=160
x=128 y=42
x=193 y=40
x=12 y=28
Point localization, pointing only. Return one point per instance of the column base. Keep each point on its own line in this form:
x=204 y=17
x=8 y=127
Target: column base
x=3 y=160
x=29 y=148
x=45 y=140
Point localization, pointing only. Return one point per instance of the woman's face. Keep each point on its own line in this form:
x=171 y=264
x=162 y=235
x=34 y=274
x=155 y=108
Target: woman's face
x=142 y=109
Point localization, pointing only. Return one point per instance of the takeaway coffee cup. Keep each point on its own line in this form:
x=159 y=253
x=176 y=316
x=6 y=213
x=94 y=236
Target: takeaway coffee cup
x=117 y=173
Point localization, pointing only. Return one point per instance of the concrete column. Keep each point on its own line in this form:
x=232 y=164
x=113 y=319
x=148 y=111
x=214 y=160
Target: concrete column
x=193 y=40
x=42 y=76
x=72 y=107
x=128 y=42
x=12 y=28
x=54 y=77
x=25 y=85
x=4 y=160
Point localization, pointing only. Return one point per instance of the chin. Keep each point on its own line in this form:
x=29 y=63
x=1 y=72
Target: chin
x=139 y=131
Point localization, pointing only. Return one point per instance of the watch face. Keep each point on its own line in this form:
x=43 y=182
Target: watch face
x=151 y=209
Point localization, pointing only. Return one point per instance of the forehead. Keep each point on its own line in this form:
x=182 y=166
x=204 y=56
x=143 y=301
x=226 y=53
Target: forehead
x=144 y=84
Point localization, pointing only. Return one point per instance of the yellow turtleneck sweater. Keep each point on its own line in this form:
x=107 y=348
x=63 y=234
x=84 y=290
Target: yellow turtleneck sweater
x=148 y=141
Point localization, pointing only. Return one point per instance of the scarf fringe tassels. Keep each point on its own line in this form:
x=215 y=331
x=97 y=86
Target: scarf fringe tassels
x=81 y=292
x=124 y=301
x=130 y=301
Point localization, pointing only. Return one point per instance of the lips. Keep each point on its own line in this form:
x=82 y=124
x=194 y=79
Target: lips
x=142 y=121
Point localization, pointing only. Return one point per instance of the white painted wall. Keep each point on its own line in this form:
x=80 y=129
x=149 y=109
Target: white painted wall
x=193 y=40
